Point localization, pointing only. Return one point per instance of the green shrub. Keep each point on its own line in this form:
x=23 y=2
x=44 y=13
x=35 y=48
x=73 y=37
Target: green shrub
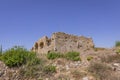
x=74 y=56
x=53 y=55
x=18 y=56
x=118 y=51
x=1 y=50
x=32 y=68
x=117 y=43
x=89 y=58
x=32 y=59
x=49 y=69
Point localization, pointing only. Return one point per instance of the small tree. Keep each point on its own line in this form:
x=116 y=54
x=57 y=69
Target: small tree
x=117 y=43
x=1 y=50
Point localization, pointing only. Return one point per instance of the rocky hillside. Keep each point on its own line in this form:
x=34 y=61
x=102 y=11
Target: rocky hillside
x=93 y=64
x=62 y=57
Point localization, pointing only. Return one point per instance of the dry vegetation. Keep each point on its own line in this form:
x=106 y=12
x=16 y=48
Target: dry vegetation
x=97 y=65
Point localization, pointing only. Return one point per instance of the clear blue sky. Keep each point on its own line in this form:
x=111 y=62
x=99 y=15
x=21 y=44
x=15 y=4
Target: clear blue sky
x=22 y=22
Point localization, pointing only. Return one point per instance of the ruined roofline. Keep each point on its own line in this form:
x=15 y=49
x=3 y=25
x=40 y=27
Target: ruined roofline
x=62 y=42
x=63 y=33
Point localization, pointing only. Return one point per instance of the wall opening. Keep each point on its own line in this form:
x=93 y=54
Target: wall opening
x=49 y=42
x=65 y=37
x=36 y=45
x=49 y=51
x=41 y=45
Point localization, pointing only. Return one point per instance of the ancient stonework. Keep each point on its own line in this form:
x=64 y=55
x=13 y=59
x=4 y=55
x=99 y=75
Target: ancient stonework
x=62 y=42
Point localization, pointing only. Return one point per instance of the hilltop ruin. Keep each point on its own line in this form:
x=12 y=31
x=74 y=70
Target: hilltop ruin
x=62 y=42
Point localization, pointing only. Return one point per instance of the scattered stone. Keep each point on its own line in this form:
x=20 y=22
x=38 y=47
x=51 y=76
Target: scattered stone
x=47 y=79
x=1 y=73
x=116 y=64
x=85 y=78
x=67 y=67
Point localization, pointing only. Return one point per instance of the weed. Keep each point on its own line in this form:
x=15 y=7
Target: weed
x=89 y=58
x=53 y=55
x=74 y=56
x=49 y=69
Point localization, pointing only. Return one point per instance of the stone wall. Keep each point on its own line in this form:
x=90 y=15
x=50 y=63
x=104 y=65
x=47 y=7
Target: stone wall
x=62 y=42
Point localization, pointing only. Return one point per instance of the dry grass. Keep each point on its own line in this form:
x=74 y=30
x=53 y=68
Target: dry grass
x=78 y=74
x=99 y=49
x=111 y=58
x=102 y=71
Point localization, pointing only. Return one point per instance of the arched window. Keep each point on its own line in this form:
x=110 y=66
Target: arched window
x=36 y=45
x=48 y=42
x=41 y=45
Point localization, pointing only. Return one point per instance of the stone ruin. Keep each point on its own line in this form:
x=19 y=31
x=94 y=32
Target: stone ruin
x=62 y=43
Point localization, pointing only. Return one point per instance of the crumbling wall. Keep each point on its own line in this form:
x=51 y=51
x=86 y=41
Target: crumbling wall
x=62 y=42
x=66 y=42
x=44 y=45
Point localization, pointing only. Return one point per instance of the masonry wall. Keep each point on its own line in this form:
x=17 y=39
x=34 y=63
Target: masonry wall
x=62 y=42
x=43 y=45
x=65 y=43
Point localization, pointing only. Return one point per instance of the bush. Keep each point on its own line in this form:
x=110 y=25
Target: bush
x=1 y=50
x=117 y=43
x=33 y=68
x=74 y=56
x=18 y=56
x=118 y=51
x=89 y=58
x=49 y=69
x=53 y=55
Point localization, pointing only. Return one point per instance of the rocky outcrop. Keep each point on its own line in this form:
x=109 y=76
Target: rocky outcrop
x=7 y=73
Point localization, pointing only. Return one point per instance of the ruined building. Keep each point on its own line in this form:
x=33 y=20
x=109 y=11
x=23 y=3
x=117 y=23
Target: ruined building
x=62 y=42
